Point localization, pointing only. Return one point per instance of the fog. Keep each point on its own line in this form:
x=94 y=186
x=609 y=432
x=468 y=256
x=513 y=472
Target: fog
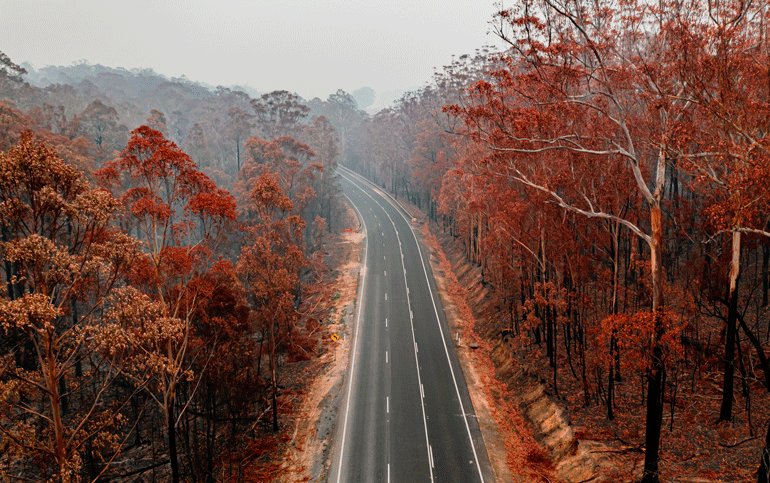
x=309 y=47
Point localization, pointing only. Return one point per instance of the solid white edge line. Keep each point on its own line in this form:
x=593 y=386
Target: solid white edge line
x=401 y=211
x=411 y=323
x=355 y=341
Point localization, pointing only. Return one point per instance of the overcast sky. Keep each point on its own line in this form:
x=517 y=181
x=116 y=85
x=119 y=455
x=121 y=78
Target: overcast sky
x=312 y=47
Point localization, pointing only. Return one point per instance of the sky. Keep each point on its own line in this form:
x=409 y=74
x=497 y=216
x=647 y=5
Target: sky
x=311 y=47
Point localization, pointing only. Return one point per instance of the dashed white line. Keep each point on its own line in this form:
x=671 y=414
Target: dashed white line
x=431 y=455
x=441 y=332
x=386 y=296
x=387 y=404
x=386 y=357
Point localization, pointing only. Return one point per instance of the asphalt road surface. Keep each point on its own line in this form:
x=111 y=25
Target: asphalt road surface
x=405 y=414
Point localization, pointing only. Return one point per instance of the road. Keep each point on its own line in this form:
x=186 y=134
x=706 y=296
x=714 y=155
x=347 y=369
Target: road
x=405 y=415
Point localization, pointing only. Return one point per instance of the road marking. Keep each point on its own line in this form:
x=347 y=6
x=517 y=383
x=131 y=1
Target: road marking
x=431 y=455
x=386 y=322
x=438 y=321
x=411 y=323
x=386 y=357
x=400 y=210
x=355 y=345
x=386 y=273
x=386 y=296
x=422 y=394
x=387 y=404
x=415 y=348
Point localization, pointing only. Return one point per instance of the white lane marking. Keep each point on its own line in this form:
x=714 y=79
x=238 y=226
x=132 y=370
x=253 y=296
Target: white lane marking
x=438 y=321
x=355 y=346
x=386 y=273
x=388 y=472
x=431 y=455
x=411 y=323
x=386 y=322
x=415 y=348
x=386 y=357
x=386 y=296
x=387 y=404
x=422 y=393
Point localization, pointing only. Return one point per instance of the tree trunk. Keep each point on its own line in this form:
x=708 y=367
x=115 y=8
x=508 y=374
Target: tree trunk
x=765 y=275
x=726 y=411
x=51 y=373
x=172 y=453
x=656 y=371
x=272 y=371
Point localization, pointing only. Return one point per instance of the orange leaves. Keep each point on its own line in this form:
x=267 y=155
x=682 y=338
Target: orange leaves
x=636 y=335
x=31 y=312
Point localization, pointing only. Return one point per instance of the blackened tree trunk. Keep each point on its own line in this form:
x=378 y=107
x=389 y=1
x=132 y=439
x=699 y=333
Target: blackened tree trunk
x=172 y=453
x=726 y=411
x=656 y=369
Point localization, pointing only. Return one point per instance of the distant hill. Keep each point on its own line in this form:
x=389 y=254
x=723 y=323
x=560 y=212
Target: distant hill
x=387 y=99
x=134 y=83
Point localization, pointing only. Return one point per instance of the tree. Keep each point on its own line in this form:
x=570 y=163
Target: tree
x=587 y=94
x=11 y=75
x=181 y=215
x=157 y=121
x=326 y=147
x=99 y=123
x=279 y=113
x=239 y=125
x=725 y=75
x=270 y=263
x=62 y=263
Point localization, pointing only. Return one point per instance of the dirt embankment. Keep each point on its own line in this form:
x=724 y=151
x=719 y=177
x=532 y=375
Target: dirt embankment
x=307 y=456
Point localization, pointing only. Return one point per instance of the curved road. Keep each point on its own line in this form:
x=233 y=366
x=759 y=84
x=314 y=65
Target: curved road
x=405 y=415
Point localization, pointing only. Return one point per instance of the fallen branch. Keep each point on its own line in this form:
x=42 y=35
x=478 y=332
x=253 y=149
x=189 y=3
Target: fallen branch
x=736 y=444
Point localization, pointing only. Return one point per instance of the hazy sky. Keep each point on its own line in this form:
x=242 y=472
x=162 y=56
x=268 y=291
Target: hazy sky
x=312 y=47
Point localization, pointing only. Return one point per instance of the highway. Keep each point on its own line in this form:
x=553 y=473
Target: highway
x=405 y=414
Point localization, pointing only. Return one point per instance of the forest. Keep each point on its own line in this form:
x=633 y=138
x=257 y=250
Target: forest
x=148 y=271
x=608 y=173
